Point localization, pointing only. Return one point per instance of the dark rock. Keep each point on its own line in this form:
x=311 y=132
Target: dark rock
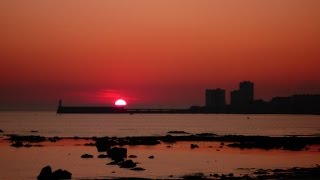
x=195 y=176
x=1 y=131
x=28 y=145
x=216 y=175
x=137 y=169
x=151 y=157
x=168 y=139
x=113 y=163
x=169 y=146
x=89 y=144
x=102 y=156
x=33 y=131
x=260 y=172
x=87 y=156
x=54 y=139
x=46 y=173
x=102 y=144
x=17 y=144
x=76 y=138
x=193 y=146
x=37 y=145
x=27 y=138
x=294 y=144
x=206 y=134
x=61 y=174
x=230 y=174
x=132 y=156
x=133 y=141
x=178 y=132
x=222 y=143
x=128 y=164
x=94 y=138
x=117 y=154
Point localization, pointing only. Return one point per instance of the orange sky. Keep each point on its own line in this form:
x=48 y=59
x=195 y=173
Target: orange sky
x=161 y=53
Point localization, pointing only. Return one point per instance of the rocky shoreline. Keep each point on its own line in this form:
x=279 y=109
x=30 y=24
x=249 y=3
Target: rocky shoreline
x=292 y=143
x=114 y=149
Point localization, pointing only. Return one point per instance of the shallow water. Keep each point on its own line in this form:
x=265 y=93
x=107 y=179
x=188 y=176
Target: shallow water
x=179 y=160
x=88 y=125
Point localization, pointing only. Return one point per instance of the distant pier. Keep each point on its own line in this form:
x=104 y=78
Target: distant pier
x=119 y=110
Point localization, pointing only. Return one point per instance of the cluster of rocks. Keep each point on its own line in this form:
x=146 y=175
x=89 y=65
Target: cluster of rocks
x=177 y=132
x=47 y=174
x=118 y=156
x=54 y=139
x=86 y=156
x=237 y=141
x=24 y=141
x=19 y=144
x=263 y=174
x=267 y=143
x=104 y=143
x=193 y=146
x=30 y=139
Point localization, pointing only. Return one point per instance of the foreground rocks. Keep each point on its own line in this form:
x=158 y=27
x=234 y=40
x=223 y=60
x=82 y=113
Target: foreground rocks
x=30 y=139
x=127 y=164
x=86 y=156
x=264 y=174
x=193 y=146
x=104 y=144
x=47 y=174
x=117 y=154
x=17 y=144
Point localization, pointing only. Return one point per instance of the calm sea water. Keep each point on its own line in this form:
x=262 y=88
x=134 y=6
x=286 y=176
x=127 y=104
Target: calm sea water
x=88 y=125
x=26 y=163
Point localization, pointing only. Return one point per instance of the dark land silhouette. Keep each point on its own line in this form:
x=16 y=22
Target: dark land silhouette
x=242 y=102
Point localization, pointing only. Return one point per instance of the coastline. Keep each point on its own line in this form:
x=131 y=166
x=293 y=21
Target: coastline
x=174 y=145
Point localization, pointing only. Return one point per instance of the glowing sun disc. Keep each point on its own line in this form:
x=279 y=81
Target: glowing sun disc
x=120 y=102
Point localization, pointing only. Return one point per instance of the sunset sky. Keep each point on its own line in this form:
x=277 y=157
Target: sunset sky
x=154 y=53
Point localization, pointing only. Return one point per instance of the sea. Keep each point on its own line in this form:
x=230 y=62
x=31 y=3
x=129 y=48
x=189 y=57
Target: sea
x=49 y=124
x=171 y=161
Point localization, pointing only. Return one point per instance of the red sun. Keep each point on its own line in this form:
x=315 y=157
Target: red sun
x=120 y=102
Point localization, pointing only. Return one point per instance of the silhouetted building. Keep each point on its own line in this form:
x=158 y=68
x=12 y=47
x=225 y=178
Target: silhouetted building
x=296 y=104
x=247 y=92
x=236 y=98
x=244 y=96
x=215 y=99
